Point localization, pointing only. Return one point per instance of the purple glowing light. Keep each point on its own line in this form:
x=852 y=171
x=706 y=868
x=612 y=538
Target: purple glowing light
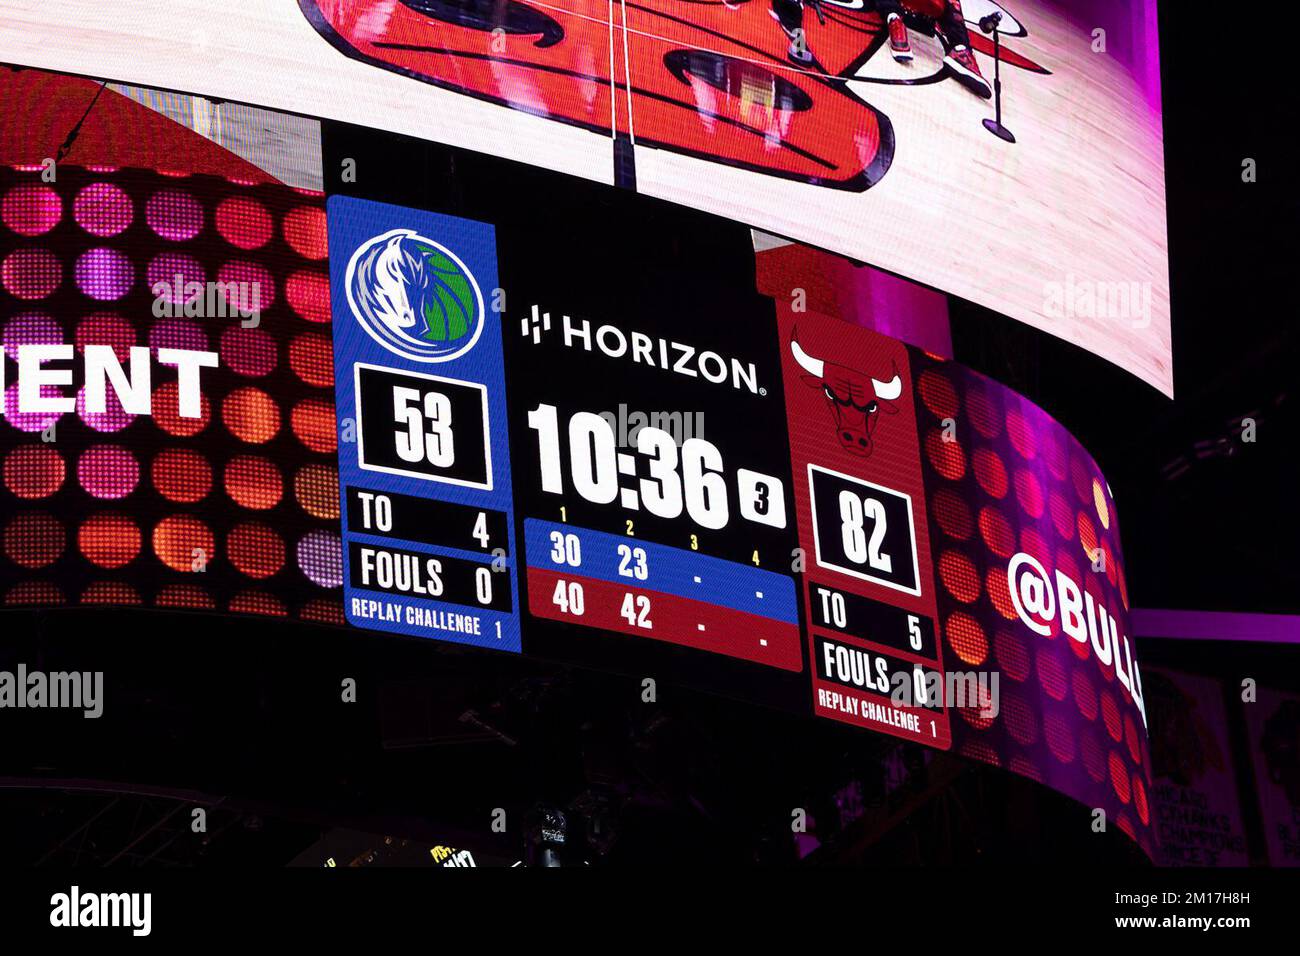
x=104 y=274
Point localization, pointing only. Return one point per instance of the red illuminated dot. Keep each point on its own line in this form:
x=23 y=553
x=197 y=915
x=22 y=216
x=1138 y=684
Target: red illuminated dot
x=109 y=541
x=996 y=531
x=959 y=576
x=946 y=456
x=1087 y=536
x=33 y=471
x=1012 y=655
x=34 y=540
x=1019 y=718
x=1062 y=514
x=251 y=415
x=1110 y=716
x=31 y=209
x=167 y=416
x=1140 y=801
x=999 y=591
x=1059 y=735
x=254 y=482
x=938 y=394
x=111 y=593
x=1054 y=454
x=966 y=637
x=308 y=294
x=1085 y=695
x=1119 y=777
x=304 y=230
x=183 y=543
x=990 y=472
x=311 y=356
x=1032 y=542
x=185 y=596
x=978 y=717
x=317 y=489
x=322 y=611
x=255 y=602
x=105 y=328
x=182 y=475
x=1029 y=493
x=31 y=274
x=249 y=351
x=978 y=750
x=244 y=222
x=34 y=593
x=952 y=514
x=1021 y=434
x=255 y=550
x=983 y=411
x=1025 y=767
x=314 y=423
x=1052 y=674
x=1081 y=479
x=1131 y=738
x=1094 y=757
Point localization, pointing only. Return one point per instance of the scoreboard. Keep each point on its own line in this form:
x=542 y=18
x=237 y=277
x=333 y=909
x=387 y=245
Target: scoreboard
x=574 y=448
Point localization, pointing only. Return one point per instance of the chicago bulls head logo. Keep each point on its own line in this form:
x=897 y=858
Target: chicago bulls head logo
x=855 y=399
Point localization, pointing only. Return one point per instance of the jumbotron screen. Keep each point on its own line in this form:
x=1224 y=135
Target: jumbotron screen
x=1007 y=152
x=244 y=398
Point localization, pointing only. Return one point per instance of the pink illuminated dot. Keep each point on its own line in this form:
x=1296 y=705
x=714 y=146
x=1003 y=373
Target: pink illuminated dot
x=102 y=209
x=29 y=421
x=31 y=273
x=178 y=334
x=31 y=209
x=174 y=214
x=244 y=222
x=31 y=328
x=253 y=284
x=172 y=275
x=104 y=274
x=113 y=418
x=108 y=471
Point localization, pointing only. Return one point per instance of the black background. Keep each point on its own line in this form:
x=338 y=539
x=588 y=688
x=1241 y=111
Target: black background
x=245 y=712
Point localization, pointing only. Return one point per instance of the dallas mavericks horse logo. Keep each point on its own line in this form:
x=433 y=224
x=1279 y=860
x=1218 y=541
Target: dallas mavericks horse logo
x=415 y=297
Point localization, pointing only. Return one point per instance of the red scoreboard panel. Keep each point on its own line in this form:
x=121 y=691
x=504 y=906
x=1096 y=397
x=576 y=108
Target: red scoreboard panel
x=860 y=502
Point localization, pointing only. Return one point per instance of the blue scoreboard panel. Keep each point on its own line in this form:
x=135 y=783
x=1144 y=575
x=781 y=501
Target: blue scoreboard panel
x=424 y=460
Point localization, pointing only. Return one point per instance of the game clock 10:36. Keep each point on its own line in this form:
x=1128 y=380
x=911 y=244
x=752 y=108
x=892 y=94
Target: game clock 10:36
x=666 y=480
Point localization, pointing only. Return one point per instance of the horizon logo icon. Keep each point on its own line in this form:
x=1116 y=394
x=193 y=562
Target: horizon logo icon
x=414 y=296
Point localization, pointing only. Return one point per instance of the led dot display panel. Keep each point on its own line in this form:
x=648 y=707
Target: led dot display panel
x=231 y=505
